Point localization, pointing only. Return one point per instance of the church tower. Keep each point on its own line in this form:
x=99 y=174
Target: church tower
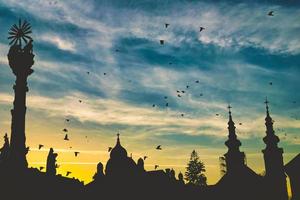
x=275 y=178
x=235 y=159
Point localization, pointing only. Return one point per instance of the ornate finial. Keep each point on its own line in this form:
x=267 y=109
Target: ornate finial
x=118 y=135
x=229 y=108
x=267 y=105
x=20 y=32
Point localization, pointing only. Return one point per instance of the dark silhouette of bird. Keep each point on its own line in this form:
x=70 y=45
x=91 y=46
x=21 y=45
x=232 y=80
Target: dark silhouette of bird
x=217 y=114
x=271 y=13
x=109 y=149
x=187 y=87
x=68 y=173
x=197 y=81
x=167 y=104
x=65 y=130
x=76 y=153
x=41 y=168
x=178 y=91
x=165 y=97
x=153 y=105
x=158 y=147
x=88 y=72
x=66 y=137
x=201 y=29
x=145 y=157
x=162 y=42
x=170 y=63
x=201 y=94
x=40 y=146
x=270 y=83
x=166 y=25
x=182 y=91
x=156 y=166
x=117 y=50
x=240 y=123
x=104 y=74
x=67 y=120
x=182 y=115
x=178 y=95
x=80 y=101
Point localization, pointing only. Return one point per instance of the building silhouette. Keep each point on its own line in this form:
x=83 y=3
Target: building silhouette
x=275 y=178
x=292 y=170
x=123 y=177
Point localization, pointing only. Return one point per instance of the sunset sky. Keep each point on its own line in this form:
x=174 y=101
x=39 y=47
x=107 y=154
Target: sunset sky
x=242 y=56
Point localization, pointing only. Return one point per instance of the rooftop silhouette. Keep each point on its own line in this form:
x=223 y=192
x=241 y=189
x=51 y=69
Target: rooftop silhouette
x=122 y=177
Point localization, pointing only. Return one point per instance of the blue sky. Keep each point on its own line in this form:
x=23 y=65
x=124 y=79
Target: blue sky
x=239 y=53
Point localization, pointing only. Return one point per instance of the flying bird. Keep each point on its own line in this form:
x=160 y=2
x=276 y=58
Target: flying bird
x=187 y=87
x=68 y=173
x=67 y=120
x=182 y=115
x=153 y=105
x=201 y=29
x=183 y=91
x=109 y=149
x=166 y=25
x=270 y=83
x=66 y=137
x=240 y=123
x=197 y=81
x=76 y=153
x=158 y=147
x=65 y=130
x=88 y=72
x=178 y=95
x=165 y=97
x=201 y=94
x=80 y=101
x=167 y=104
x=271 y=13
x=217 y=114
x=161 y=42
x=40 y=146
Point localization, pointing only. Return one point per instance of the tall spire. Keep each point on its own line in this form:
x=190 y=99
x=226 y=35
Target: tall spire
x=271 y=140
x=274 y=167
x=232 y=143
x=235 y=159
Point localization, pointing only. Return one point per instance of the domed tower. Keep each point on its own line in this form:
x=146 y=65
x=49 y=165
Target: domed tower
x=275 y=176
x=235 y=159
x=119 y=164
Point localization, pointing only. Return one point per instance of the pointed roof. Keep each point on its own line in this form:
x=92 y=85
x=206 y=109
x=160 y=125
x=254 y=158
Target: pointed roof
x=118 y=151
x=271 y=140
x=232 y=142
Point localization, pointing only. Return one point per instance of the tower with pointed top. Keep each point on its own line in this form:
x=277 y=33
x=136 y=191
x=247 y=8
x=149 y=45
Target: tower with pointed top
x=275 y=177
x=234 y=158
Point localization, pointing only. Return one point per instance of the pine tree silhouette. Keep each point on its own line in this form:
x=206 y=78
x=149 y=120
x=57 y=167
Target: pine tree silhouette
x=195 y=169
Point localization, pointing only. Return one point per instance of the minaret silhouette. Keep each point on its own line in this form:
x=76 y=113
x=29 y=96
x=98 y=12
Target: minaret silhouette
x=275 y=177
x=20 y=61
x=235 y=159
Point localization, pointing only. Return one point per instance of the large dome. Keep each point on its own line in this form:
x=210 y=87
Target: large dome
x=118 y=151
